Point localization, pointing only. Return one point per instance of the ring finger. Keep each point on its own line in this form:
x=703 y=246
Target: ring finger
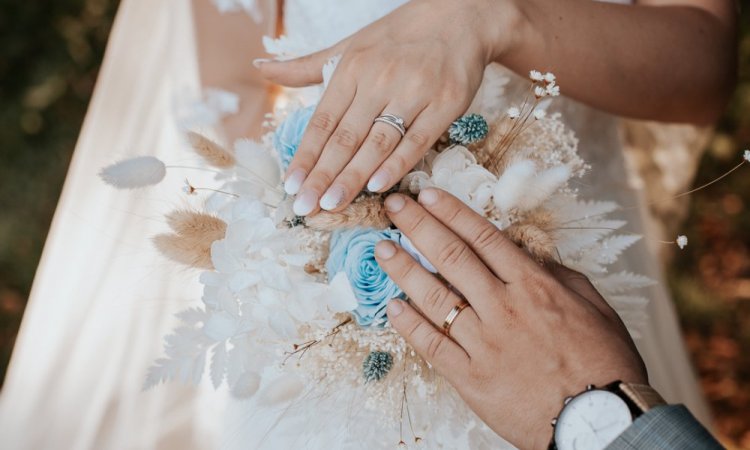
x=379 y=144
x=433 y=298
x=337 y=152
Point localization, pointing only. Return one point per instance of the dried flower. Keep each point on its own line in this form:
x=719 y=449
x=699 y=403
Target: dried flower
x=514 y=112
x=377 y=365
x=133 y=173
x=746 y=156
x=468 y=129
x=682 y=241
x=540 y=91
x=536 y=75
x=188 y=188
x=190 y=244
x=539 y=114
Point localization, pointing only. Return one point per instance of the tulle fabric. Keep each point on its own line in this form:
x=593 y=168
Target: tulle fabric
x=103 y=298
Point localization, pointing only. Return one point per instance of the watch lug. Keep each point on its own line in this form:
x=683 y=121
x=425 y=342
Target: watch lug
x=553 y=422
x=567 y=400
x=590 y=387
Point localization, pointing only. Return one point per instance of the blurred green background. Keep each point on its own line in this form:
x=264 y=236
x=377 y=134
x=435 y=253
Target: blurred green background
x=49 y=57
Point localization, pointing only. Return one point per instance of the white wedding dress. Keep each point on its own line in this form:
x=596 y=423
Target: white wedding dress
x=103 y=299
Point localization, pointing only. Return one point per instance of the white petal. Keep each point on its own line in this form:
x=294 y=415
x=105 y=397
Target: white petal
x=341 y=298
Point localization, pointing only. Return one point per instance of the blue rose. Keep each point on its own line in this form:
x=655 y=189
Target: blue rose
x=353 y=252
x=288 y=135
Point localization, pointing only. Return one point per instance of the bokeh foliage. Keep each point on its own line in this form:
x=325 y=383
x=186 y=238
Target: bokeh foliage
x=49 y=57
x=50 y=53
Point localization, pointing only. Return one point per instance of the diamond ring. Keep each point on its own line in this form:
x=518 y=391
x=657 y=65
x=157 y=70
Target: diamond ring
x=394 y=121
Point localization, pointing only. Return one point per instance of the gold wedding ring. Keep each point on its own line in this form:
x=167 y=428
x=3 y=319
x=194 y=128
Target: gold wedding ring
x=451 y=317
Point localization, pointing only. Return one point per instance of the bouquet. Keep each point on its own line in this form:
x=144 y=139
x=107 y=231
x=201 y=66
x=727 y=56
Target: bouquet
x=292 y=313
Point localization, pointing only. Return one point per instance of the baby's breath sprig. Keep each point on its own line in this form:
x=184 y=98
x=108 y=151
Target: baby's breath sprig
x=301 y=349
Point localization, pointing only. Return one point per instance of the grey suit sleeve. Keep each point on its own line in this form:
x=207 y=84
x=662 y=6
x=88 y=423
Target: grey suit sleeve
x=669 y=427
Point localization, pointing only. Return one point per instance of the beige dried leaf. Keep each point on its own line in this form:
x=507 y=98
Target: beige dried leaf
x=213 y=153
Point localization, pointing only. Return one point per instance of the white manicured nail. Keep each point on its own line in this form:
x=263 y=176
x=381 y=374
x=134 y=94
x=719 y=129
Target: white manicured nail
x=378 y=181
x=259 y=61
x=332 y=198
x=294 y=181
x=305 y=203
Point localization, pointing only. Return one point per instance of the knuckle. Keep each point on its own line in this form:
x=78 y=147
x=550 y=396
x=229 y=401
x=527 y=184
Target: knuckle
x=319 y=180
x=323 y=121
x=417 y=223
x=435 y=345
x=381 y=142
x=486 y=237
x=454 y=253
x=435 y=297
x=346 y=137
x=418 y=138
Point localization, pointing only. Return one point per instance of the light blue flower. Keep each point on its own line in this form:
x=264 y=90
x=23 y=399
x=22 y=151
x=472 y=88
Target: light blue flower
x=288 y=134
x=353 y=252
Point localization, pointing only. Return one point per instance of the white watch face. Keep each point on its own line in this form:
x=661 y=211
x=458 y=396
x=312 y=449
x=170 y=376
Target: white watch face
x=591 y=421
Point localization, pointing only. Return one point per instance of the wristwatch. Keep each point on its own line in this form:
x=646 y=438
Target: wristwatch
x=594 y=418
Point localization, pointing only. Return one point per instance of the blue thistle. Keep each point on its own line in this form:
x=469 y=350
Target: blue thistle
x=468 y=129
x=376 y=366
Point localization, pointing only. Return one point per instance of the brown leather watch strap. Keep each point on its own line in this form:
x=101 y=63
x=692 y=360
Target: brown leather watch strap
x=642 y=395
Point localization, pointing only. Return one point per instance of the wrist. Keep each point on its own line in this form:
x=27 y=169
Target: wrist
x=506 y=28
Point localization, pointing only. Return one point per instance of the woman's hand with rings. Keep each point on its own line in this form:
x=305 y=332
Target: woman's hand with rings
x=530 y=336
x=422 y=63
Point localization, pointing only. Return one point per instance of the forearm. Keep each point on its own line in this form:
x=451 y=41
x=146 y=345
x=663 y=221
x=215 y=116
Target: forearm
x=226 y=45
x=670 y=63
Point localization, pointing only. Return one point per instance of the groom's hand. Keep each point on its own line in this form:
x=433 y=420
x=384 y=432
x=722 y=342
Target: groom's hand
x=530 y=336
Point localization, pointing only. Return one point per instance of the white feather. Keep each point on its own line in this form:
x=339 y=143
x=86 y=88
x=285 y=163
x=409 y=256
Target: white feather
x=133 y=173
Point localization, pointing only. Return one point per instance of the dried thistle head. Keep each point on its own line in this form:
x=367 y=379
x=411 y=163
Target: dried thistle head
x=537 y=242
x=190 y=244
x=213 y=153
x=366 y=211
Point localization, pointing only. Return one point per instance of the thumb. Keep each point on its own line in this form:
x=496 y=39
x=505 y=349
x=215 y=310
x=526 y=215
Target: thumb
x=298 y=72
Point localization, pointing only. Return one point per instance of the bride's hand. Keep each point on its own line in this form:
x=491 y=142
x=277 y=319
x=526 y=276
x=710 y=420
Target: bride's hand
x=423 y=62
x=529 y=337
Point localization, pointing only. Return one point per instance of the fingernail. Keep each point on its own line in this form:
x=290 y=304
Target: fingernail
x=332 y=198
x=305 y=203
x=294 y=181
x=395 y=307
x=385 y=249
x=428 y=197
x=259 y=61
x=395 y=203
x=378 y=181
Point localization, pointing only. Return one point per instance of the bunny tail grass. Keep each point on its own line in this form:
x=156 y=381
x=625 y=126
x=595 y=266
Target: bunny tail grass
x=133 y=173
x=190 y=244
x=366 y=212
x=213 y=153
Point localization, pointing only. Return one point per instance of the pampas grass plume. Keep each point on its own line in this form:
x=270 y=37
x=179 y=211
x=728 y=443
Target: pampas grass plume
x=133 y=173
x=213 y=153
x=190 y=244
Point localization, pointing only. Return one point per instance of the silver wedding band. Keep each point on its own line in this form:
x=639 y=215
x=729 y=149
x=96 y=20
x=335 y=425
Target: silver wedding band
x=394 y=121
